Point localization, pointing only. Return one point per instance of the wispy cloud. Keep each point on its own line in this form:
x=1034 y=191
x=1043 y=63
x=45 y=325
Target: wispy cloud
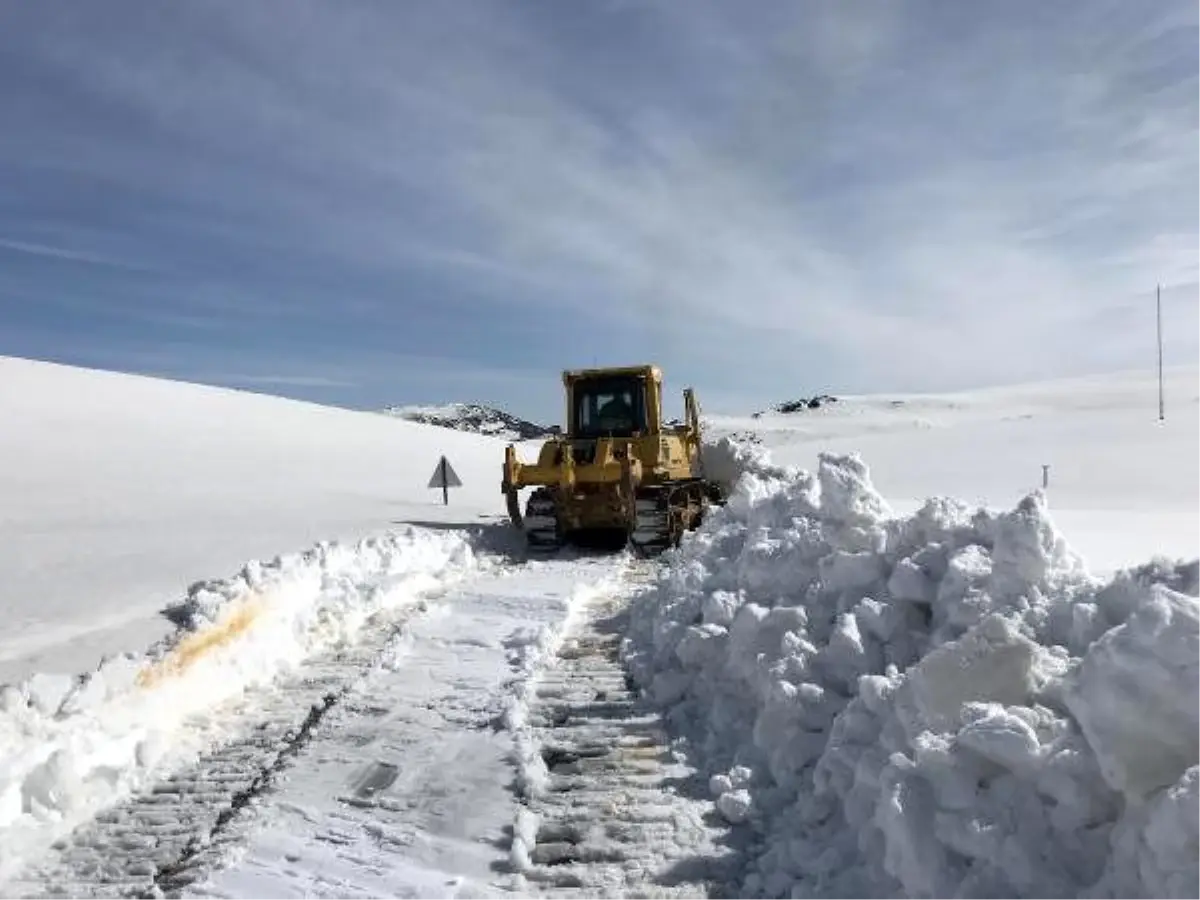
x=66 y=254
x=275 y=380
x=854 y=197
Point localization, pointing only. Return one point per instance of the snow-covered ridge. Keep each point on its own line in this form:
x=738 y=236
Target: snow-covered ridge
x=69 y=747
x=473 y=418
x=799 y=404
x=945 y=704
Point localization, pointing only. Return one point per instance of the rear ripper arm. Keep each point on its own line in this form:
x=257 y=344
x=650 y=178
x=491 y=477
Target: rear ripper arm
x=614 y=464
x=556 y=467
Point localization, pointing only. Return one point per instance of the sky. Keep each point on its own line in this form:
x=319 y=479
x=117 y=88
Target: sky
x=376 y=203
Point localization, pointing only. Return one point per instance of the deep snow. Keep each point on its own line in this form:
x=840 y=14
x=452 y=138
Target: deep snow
x=940 y=704
x=119 y=491
x=70 y=747
x=1122 y=484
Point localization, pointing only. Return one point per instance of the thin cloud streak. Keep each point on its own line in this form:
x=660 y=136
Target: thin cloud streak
x=279 y=380
x=67 y=254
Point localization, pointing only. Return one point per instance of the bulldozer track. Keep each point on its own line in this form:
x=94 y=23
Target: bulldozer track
x=620 y=813
x=169 y=836
x=662 y=514
x=542 y=533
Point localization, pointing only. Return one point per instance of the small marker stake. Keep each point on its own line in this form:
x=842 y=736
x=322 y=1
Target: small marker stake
x=1045 y=476
x=1162 y=411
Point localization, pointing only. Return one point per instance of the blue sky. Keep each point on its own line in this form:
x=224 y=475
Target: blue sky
x=377 y=202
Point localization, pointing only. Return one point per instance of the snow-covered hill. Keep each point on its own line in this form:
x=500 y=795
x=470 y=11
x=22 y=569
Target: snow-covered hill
x=474 y=418
x=119 y=491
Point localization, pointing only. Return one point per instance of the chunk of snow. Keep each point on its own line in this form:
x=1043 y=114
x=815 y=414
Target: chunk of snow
x=1137 y=695
x=991 y=662
x=735 y=805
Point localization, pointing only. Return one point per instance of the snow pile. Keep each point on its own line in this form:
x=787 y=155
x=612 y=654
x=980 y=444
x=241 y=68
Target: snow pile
x=71 y=746
x=940 y=705
x=474 y=418
x=727 y=459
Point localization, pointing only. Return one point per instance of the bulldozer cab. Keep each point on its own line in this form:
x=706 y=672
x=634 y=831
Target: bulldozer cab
x=609 y=407
x=611 y=403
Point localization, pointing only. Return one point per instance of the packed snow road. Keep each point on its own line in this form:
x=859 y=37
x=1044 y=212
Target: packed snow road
x=610 y=807
x=477 y=741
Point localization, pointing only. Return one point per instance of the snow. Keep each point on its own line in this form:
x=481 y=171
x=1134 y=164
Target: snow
x=71 y=747
x=939 y=703
x=472 y=417
x=534 y=651
x=121 y=490
x=438 y=828
x=1141 y=672
x=1124 y=485
x=915 y=695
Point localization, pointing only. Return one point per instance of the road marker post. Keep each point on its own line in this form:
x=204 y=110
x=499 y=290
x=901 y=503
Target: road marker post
x=445 y=477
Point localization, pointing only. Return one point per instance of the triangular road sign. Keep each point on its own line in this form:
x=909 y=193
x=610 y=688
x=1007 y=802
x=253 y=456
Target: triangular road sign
x=444 y=475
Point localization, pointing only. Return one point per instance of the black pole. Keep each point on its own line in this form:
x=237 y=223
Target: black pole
x=445 y=487
x=1158 y=306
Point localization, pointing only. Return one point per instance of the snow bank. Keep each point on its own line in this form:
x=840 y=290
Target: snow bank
x=71 y=746
x=940 y=705
x=726 y=460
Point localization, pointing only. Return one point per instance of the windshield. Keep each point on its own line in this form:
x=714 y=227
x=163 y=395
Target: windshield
x=609 y=406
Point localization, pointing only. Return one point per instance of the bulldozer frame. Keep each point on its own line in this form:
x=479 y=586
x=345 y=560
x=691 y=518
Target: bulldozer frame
x=629 y=479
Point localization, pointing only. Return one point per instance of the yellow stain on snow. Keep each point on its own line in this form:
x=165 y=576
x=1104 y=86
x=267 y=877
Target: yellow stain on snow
x=194 y=647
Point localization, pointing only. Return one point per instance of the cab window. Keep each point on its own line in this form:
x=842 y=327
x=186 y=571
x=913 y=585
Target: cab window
x=609 y=407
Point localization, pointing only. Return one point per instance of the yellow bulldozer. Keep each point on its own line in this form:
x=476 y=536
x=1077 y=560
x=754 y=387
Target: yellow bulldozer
x=616 y=474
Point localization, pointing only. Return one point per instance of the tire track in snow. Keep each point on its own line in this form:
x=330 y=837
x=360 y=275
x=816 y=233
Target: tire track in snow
x=609 y=808
x=165 y=838
x=407 y=789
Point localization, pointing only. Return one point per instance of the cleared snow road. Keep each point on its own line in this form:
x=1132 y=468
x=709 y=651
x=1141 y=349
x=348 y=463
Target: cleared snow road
x=408 y=789
x=611 y=807
x=397 y=766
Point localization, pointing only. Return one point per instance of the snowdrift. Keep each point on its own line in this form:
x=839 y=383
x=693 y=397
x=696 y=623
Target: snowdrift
x=70 y=746
x=945 y=704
